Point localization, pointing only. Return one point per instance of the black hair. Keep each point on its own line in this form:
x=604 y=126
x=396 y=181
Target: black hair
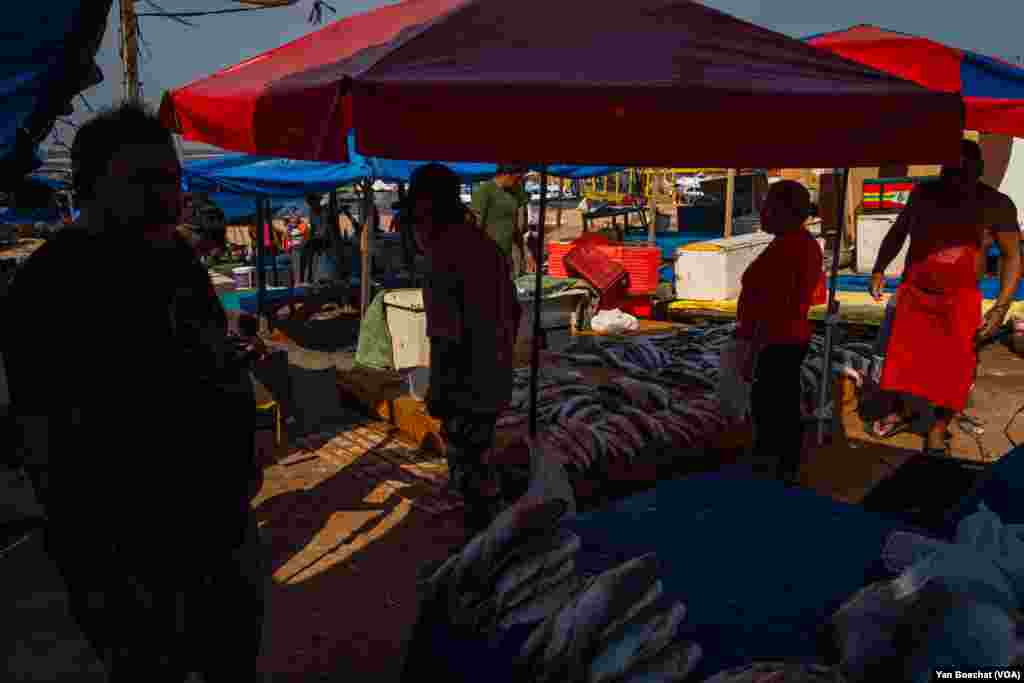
x=98 y=140
x=441 y=185
x=795 y=196
x=972 y=152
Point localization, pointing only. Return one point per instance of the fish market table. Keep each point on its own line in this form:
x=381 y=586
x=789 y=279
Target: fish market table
x=759 y=567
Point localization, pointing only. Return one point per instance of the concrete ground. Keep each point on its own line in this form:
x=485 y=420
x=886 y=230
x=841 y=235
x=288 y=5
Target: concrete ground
x=346 y=525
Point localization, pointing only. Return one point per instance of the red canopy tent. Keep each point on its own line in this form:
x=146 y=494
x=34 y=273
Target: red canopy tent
x=646 y=83
x=650 y=82
x=992 y=89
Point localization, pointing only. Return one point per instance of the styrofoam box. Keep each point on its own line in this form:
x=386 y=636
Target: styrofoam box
x=407 y=325
x=871 y=230
x=711 y=271
x=407 y=322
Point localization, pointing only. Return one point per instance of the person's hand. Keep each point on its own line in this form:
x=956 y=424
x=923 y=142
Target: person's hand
x=991 y=322
x=877 y=286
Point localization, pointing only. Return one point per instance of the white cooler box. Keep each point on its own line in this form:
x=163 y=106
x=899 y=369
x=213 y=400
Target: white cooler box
x=711 y=271
x=871 y=230
x=407 y=322
x=407 y=325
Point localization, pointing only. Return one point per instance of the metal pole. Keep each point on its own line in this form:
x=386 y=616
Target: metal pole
x=260 y=279
x=538 y=286
x=129 y=50
x=833 y=284
x=367 y=247
x=730 y=200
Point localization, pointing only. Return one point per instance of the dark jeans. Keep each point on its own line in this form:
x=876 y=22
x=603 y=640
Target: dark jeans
x=775 y=407
x=128 y=608
x=468 y=438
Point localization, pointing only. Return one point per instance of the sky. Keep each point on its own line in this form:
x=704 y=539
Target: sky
x=173 y=55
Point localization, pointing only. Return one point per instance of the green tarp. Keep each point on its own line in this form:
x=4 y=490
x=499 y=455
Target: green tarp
x=374 y=350
x=375 y=347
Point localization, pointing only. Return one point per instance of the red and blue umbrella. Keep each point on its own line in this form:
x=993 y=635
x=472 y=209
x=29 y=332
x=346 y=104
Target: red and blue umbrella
x=992 y=89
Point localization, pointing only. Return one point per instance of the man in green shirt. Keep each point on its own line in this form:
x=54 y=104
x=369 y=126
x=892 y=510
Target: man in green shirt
x=500 y=208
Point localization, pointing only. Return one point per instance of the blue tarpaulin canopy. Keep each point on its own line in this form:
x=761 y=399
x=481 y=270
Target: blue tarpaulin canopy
x=46 y=58
x=258 y=176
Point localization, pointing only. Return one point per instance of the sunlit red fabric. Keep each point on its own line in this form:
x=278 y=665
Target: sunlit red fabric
x=644 y=83
x=992 y=89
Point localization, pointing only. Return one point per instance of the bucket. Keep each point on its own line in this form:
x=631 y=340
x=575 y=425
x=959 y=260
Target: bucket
x=244 y=277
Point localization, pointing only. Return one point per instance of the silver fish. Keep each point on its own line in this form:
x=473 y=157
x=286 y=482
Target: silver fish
x=611 y=594
x=479 y=558
x=542 y=605
x=638 y=642
x=672 y=665
x=565 y=544
x=638 y=608
x=539 y=584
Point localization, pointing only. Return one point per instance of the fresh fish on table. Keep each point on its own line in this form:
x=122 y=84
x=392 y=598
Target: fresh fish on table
x=652 y=428
x=637 y=642
x=674 y=664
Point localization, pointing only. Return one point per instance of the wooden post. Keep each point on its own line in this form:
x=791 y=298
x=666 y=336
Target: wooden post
x=730 y=196
x=130 y=50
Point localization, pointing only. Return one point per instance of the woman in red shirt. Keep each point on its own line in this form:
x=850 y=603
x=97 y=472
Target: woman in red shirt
x=779 y=288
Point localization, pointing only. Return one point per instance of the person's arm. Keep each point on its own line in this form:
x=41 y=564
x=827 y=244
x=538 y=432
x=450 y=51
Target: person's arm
x=893 y=241
x=480 y=202
x=1006 y=232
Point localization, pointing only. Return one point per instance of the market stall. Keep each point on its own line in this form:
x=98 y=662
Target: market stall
x=419 y=66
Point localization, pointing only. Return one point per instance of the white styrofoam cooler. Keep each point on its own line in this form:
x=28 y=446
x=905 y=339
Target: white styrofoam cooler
x=407 y=325
x=871 y=230
x=407 y=322
x=711 y=271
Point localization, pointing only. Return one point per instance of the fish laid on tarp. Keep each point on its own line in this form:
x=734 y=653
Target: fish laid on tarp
x=776 y=672
x=674 y=664
x=576 y=627
x=637 y=643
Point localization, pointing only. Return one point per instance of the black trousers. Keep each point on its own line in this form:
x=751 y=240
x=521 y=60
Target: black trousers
x=775 y=407
x=128 y=609
x=468 y=438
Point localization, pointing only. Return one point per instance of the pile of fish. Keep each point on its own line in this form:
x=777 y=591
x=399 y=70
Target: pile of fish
x=522 y=571
x=587 y=426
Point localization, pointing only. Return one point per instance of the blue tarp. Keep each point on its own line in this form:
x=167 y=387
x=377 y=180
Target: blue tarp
x=243 y=174
x=34 y=56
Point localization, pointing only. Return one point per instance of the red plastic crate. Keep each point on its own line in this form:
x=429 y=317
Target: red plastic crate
x=642 y=263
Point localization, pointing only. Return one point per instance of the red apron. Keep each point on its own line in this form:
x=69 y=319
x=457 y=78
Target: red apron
x=931 y=350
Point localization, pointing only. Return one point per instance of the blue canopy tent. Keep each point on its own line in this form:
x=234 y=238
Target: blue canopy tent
x=47 y=57
x=233 y=180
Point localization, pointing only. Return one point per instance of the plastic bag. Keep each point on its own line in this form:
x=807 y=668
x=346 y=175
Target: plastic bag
x=733 y=390
x=614 y=322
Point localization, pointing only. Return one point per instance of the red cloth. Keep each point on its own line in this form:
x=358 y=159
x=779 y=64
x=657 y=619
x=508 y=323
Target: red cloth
x=779 y=288
x=938 y=310
x=422 y=65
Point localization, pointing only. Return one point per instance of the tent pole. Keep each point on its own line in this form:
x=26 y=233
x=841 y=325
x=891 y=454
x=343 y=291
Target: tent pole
x=260 y=277
x=841 y=176
x=334 y=232
x=730 y=199
x=538 y=286
x=366 y=245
